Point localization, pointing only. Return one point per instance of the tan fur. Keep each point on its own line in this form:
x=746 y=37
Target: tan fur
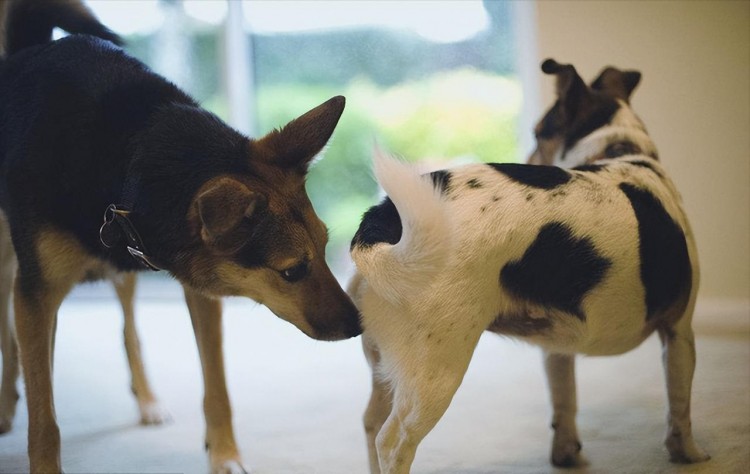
x=205 y=314
x=67 y=263
x=150 y=409
x=8 y=391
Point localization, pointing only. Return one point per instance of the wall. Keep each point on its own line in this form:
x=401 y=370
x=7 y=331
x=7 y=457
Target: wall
x=694 y=98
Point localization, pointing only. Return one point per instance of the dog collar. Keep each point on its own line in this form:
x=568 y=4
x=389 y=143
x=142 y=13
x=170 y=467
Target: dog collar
x=117 y=224
x=111 y=234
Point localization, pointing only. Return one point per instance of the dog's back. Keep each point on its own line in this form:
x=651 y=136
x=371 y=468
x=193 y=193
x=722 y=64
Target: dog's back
x=561 y=258
x=69 y=111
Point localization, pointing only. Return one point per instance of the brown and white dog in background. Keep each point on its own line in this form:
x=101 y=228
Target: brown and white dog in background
x=89 y=134
x=590 y=260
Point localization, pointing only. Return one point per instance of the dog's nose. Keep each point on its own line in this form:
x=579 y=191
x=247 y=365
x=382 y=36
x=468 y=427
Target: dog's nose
x=343 y=324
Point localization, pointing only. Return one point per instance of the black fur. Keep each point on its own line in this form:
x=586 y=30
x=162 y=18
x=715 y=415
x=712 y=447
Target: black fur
x=552 y=123
x=648 y=165
x=78 y=116
x=591 y=167
x=665 y=264
x=536 y=176
x=31 y=23
x=622 y=148
x=380 y=223
x=597 y=115
x=441 y=179
x=596 y=112
x=556 y=271
x=521 y=325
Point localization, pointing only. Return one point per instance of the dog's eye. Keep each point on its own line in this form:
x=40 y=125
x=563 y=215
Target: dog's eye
x=295 y=273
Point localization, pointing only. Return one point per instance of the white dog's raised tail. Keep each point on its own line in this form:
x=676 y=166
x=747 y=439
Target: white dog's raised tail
x=405 y=247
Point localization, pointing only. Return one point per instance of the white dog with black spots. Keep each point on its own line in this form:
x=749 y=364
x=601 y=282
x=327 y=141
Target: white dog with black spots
x=588 y=260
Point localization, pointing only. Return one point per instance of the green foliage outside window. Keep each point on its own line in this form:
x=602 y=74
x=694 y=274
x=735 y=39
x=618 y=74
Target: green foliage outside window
x=455 y=116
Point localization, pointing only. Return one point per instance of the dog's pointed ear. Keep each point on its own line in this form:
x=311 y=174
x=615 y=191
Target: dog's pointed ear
x=617 y=83
x=221 y=207
x=572 y=92
x=296 y=144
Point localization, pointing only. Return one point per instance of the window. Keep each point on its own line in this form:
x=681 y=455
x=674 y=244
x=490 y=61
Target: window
x=429 y=80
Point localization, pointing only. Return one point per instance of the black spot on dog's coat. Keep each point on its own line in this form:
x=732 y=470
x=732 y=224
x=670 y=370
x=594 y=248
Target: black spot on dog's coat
x=380 y=223
x=556 y=271
x=520 y=325
x=474 y=184
x=590 y=168
x=647 y=165
x=665 y=264
x=441 y=180
x=621 y=148
x=536 y=176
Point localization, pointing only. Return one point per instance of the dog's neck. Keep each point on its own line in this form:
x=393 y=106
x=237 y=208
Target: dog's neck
x=612 y=141
x=624 y=135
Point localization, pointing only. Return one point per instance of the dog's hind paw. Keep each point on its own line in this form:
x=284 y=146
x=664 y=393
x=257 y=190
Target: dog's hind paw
x=229 y=467
x=7 y=413
x=685 y=451
x=152 y=413
x=6 y=424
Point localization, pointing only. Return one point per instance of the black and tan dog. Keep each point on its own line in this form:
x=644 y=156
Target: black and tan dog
x=90 y=135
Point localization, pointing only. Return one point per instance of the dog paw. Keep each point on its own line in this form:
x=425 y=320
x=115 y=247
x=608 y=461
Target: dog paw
x=7 y=412
x=567 y=455
x=152 y=413
x=6 y=424
x=685 y=451
x=229 y=467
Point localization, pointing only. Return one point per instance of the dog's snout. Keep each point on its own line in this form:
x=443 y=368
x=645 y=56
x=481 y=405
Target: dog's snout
x=343 y=323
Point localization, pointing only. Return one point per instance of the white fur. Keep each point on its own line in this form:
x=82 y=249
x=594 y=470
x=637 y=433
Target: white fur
x=426 y=300
x=399 y=271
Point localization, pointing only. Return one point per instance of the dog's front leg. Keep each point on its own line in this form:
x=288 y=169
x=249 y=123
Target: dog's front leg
x=566 y=446
x=8 y=392
x=379 y=407
x=36 y=314
x=205 y=314
x=678 y=355
x=150 y=409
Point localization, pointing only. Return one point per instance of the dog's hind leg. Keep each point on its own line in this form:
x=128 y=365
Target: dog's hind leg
x=205 y=314
x=566 y=446
x=678 y=354
x=8 y=390
x=423 y=389
x=379 y=407
x=152 y=413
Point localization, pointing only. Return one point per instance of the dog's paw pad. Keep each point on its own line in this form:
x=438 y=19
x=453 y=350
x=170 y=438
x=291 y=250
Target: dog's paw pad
x=568 y=455
x=152 y=413
x=229 y=467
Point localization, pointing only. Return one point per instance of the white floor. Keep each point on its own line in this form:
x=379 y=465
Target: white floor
x=298 y=403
